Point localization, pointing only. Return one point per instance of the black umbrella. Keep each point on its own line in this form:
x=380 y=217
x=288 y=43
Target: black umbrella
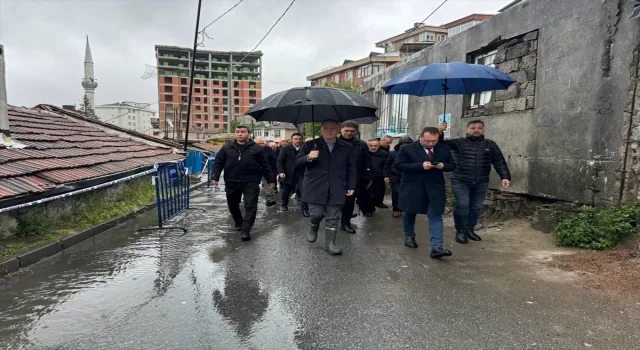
x=314 y=104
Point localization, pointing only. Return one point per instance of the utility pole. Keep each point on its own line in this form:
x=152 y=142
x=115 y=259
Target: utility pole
x=229 y=92
x=191 y=74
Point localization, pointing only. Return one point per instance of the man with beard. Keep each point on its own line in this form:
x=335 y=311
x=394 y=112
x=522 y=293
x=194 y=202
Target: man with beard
x=330 y=175
x=290 y=176
x=470 y=180
x=348 y=131
x=244 y=164
x=378 y=158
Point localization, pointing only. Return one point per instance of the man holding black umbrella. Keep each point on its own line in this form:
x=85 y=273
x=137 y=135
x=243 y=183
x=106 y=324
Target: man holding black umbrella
x=330 y=175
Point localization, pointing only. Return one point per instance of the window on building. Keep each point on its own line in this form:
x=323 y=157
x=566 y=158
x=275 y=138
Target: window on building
x=236 y=84
x=199 y=125
x=198 y=99
x=205 y=91
x=322 y=81
x=364 y=71
x=216 y=117
x=236 y=101
x=206 y=125
x=167 y=80
x=224 y=102
x=206 y=117
x=348 y=75
x=216 y=82
x=426 y=36
x=236 y=110
x=168 y=88
x=252 y=94
x=225 y=93
x=216 y=125
x=236 y=92
x=482 y=98
x=197 y=90
x=224 y=84
x=252 y=101
x=183 y=81
x=336 y=78
x=395 y=111
x=276 y=133
x=216 y=91
x=196 y=81
x=206 y=109
x=408 y=40
x=184 y=90
x=441 y=37
x=205 y=99
x=197 y=108
x=198 y=116
x=168 y=98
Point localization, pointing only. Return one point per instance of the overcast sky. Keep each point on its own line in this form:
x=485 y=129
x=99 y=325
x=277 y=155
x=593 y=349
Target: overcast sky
x=44 y=40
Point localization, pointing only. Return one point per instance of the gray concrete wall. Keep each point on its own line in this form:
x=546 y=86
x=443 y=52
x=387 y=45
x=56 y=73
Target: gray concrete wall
x=64 y=208
x=572 y=145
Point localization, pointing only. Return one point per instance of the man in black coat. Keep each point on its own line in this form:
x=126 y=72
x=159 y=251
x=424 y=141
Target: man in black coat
x=422 y=188
x=290 y=176
x=244 y=164
x=393 y=176
x=330 y=176
x=348 y=131
x=378 y=158
x=273 y=164
x=470 y=181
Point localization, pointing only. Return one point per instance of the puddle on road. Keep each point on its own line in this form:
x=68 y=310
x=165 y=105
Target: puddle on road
x=149 y=290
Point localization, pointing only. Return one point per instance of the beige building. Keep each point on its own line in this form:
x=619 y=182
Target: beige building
x=275 y=131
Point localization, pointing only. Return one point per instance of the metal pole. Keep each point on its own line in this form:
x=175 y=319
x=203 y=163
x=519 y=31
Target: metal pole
x=192 y=73
x=229 y=92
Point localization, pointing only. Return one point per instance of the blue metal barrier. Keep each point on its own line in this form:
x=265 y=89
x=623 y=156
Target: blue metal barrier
x=172 y=193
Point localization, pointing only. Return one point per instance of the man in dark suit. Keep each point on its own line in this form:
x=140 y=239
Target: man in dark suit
x=290 y=176
x=422 y=188
x=330 y=175
x=271 y=158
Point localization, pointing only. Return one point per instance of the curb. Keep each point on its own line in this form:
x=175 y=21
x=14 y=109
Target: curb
x=32 y=257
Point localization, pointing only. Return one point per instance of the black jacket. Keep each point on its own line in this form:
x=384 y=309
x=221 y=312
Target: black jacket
x=272 y=159
x=362 y=159
x=287 y=164
x=327 y=179
x=247 y=166
x=474 y=156
x=389 y=170
x=377 y=163
x=422 y=188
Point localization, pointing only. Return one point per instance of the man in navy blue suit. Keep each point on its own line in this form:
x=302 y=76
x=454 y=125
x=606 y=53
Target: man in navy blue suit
x=422 y=188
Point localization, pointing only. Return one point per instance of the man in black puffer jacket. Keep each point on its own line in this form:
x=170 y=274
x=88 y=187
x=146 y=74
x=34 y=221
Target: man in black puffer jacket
x=244 y=164
x=470 y=180
x=348 y=131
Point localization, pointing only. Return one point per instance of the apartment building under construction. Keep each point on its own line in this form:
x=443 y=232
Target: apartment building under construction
x=226 y=84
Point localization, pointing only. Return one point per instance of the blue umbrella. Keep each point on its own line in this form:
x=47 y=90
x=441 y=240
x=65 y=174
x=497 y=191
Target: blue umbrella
x=456 y=78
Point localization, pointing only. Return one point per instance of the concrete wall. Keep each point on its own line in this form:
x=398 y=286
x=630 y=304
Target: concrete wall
x=568 y=140
x=66 y=207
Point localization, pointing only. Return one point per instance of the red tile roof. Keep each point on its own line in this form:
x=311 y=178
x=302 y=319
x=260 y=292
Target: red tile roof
x=67 y=147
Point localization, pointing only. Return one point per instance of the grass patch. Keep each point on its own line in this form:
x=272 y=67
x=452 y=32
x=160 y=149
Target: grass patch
x=595 y=228
x=33 y=230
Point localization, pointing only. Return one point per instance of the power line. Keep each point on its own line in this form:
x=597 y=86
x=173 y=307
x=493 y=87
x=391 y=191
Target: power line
x=414 y=28
x=203 y=31
x=270 y=29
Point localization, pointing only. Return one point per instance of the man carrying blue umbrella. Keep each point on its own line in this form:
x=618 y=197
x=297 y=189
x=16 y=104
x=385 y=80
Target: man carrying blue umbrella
x=470 y=180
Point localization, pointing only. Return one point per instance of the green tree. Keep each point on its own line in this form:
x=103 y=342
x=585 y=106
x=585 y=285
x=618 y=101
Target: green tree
x=309 y=129
x=85 y=108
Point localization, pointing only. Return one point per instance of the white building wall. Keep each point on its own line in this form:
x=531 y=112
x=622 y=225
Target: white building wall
x=132 y=116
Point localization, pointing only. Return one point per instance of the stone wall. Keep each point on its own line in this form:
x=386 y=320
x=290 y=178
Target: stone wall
x=564 y=127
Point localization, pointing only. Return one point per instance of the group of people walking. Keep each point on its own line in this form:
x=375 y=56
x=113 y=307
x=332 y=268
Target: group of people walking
x=332 y=173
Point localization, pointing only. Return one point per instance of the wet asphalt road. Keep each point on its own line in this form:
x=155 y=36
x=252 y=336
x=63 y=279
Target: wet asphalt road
x=208 y=290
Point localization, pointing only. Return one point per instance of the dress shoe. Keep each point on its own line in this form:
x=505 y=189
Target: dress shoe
x=270 y=203
x=245 y=236
x=437 y=253
x=284 y=208
x=305 y=213
x=472 y=236
x=461 y=237
x=348 y=228
x=396 y=214
x=312 y=234
x=238 y=227
x=410 y=242
x=330 y=241
x=382 y=206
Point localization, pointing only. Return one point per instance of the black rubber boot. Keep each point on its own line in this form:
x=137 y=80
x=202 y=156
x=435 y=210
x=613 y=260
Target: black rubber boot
x=312 y=234
x=461 y=236
x=330 y=241
x=245 y=236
